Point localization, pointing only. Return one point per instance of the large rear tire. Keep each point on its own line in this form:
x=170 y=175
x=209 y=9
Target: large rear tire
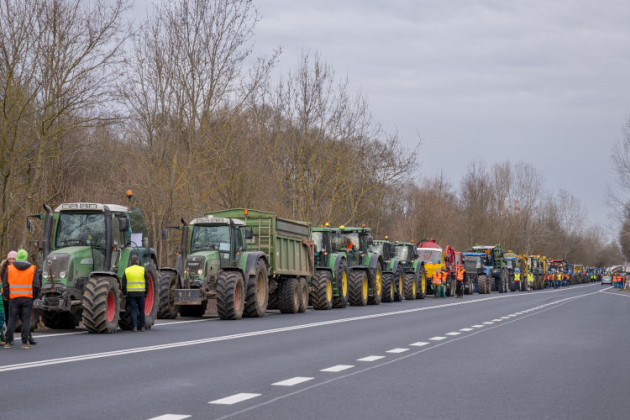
x=377 y=289
x=168 y=283
x=388 y=288
x=483 y=283
x=289 y=296
x=257 y=292
x=101 y=305
x=322 y=293
x=358 y=289
x=230 y=295
x=410 y=286
x=150 y=303
x=341 y=301
x=422 y=287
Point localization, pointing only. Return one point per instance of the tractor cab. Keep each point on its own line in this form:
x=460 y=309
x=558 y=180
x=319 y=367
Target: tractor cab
x=326 y=241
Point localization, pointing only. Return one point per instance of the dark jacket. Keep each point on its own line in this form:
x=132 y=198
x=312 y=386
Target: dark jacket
x=136 y=294
x=20 y=265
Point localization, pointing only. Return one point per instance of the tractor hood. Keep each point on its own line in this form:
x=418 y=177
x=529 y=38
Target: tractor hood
x=202 y=263
x=68 y=264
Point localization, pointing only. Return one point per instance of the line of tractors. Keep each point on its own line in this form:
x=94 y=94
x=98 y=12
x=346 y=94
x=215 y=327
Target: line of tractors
x=240 y=263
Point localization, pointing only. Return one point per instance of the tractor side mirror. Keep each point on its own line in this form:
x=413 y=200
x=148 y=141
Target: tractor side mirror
x=123 y=224
x=164 y=233
x=29 y=226
x=249 y=233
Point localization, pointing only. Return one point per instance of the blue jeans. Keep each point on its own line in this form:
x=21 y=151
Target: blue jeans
x=135 y=303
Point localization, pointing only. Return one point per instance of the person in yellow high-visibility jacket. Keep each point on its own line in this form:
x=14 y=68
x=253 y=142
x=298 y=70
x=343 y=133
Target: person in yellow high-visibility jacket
x=135 y=285
x=530 y=282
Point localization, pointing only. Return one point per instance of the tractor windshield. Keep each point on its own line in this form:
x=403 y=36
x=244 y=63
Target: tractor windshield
x=352 y=241
x=318 y=240
x=80 y=229
x=430 y=256
x=376 y=248
x=210 y=238
x=402 y=253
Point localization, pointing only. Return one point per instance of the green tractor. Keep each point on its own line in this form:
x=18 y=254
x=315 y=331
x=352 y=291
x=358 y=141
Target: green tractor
x=393 y=274
x=86 y=248
x=496 y=270
x=366 y=267
x=330 y=283
x=213 y=271
x=415 y=282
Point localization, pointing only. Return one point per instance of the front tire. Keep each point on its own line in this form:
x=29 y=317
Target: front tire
x=399 y=293
x=422 y=289
x=388 y=288
x=167 y=308
x=230 y=295
x=322 y=293
x=101 y=305
x=377 y=290
x=341 y=301
x=358 y=295
x=410 y=286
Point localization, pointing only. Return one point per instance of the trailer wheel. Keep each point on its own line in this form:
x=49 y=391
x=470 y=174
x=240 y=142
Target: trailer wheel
x=341 y=301
x=377 y=290
x=399 y=293
x=289 y=296
x=257 y=292
x=303 y=294
x=322 y=293
x=101 y=305
x=167 y=308
x=230 y=295
x=410 y=287
x=422 y=287
x=358 y=295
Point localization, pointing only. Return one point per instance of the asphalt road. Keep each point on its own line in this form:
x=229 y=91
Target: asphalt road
x=555 y=354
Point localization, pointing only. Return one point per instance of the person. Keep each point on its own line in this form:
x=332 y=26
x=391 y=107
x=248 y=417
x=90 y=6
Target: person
x=460 y=282
x=20 y=283
x=444 y=280
x=4 y=304
x=135 y=284
x=517 y=279
x=437 y=283
x=530 y=282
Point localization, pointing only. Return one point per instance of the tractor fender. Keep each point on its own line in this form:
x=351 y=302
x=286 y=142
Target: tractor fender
x=108 y=274
x=335 y=271
x=178 y=282
x=251 y=262
x=372 y=269
x=395 y=266
x=154 y=257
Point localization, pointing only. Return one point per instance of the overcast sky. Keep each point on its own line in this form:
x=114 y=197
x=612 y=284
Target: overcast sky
x=545 y=82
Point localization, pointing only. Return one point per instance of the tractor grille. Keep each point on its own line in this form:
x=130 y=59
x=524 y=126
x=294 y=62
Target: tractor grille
x=58 y=263
x=470 y=264
x=194 y=264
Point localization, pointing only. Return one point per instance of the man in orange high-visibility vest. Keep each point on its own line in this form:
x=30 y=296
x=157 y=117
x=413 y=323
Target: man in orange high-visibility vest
x=437 y=283
x=460 y=283
x=20 y=284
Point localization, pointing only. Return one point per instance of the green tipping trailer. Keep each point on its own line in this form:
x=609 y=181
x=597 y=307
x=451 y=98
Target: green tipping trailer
x=289 y=249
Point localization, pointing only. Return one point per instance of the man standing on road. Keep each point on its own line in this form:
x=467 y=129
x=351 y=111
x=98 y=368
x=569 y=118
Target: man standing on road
x=530 y=282
x=460 y=283
x=20 y=283
x=135 y=284
x=517 y=279
x=437 y=283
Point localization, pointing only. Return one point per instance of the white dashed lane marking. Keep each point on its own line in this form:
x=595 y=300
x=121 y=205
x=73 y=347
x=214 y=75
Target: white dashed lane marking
x=497 y=320
x=419 y=344
x=478 y=326
x=466 y=329
x=453 y=333
x=171 y=417
x=488 y=323
x=396 y=351
x=293 y=381
x=370 y=359
x=437 y=338
x=236 y=398
x=337 y=368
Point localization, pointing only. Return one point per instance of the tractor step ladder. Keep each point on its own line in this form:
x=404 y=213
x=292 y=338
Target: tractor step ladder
x=264 y=235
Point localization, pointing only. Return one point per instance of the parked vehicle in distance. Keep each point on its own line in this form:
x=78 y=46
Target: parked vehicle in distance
x=606 y=280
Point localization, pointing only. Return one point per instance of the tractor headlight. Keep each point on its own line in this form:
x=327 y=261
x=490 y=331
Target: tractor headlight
x=200 y=272
x=62 y=274
x=45 y=275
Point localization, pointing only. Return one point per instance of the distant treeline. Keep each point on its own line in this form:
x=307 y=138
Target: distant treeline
x=177 y=109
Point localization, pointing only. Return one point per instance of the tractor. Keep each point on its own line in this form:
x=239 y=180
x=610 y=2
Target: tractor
x=366 y=267
x=415 y=284
x=86 y=248
x=496 y=271
x=330 y=283
x=454 y=263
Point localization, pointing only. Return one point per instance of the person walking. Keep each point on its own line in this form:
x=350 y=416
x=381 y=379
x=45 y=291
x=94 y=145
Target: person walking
x=517 y=279
x=437 y=283
x=530 y=282
x=20 y=283
x=135 y=284
x=460 y=283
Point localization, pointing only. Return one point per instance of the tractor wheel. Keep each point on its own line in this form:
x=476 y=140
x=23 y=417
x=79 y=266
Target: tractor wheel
x=341 y=301
x=409 y=288
x=322 y=293
x=101 y=305
x=167 y=308
x=377 y=290
x=399 y=281
x=150 y=303
x=304 y=292
x=257 y=297
x=358 y=289
x=289 y=296
x=388 y=288
x=452 y=285
x=469 y=286
x=230 y=295
x=192 y=311
x=422 y=287
x=60 y=320
x=483 y=284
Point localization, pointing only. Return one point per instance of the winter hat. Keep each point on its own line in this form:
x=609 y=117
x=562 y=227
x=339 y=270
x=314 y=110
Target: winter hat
x=22 y=255
x=11 y=254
